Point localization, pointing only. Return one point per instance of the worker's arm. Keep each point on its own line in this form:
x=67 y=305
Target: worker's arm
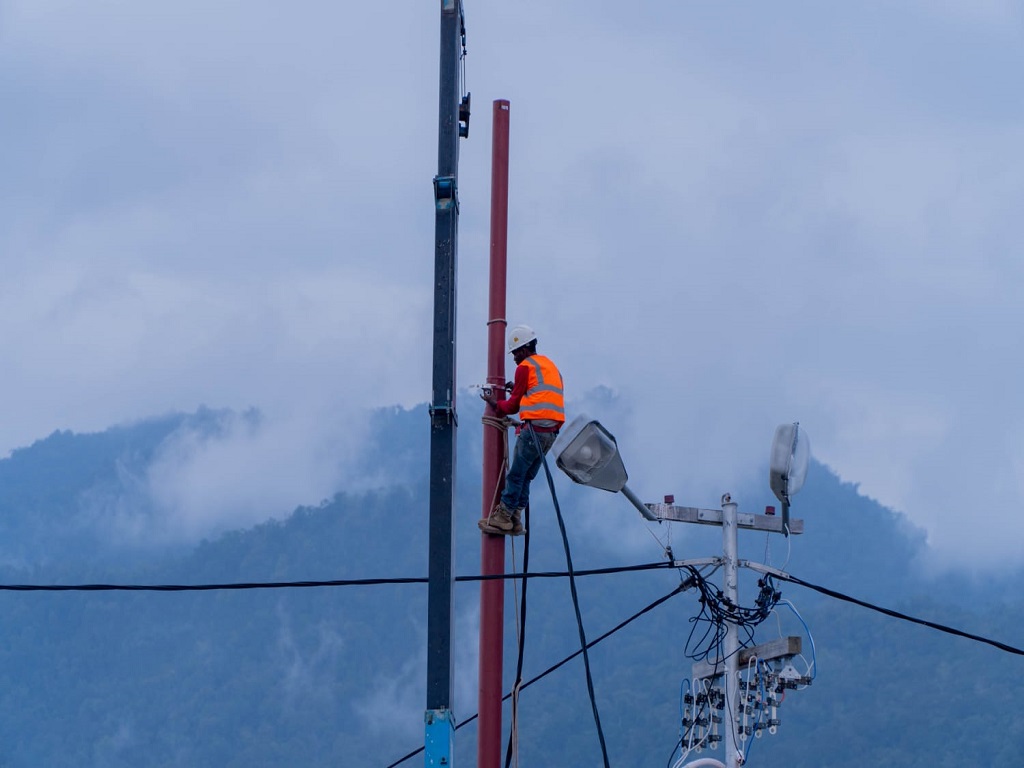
x=510 y=406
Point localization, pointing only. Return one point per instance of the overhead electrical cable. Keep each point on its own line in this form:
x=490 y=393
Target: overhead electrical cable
x=229 y=586
x=308 y=584
x=513 y=733
x=902 y=616
x=575 y=602
x=554 y=667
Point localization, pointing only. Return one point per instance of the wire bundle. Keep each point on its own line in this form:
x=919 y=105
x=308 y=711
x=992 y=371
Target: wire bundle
x=717 y=611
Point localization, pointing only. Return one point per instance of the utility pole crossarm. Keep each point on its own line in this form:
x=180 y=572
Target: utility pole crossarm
x=768 y=523
x=780 y=648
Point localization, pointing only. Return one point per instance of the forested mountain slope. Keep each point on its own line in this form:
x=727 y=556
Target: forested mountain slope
x=335 y=675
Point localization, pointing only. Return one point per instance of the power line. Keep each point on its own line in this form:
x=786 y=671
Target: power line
x=309 y=584
x=575 y=603
x=681 y=588
x=902 y=616
x=538 y=575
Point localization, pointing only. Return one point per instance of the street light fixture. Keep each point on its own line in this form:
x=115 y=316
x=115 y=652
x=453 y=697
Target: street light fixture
x=787 y=468
x=589 y=455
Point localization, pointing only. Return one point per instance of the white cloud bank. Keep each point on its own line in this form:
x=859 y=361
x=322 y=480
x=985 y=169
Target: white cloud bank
x=735 y=216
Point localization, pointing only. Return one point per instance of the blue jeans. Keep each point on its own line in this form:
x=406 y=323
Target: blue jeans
x=526 y=463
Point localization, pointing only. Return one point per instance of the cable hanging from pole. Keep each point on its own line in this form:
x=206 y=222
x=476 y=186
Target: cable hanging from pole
x=682 y=587
x=513 y=735
x=575 y=600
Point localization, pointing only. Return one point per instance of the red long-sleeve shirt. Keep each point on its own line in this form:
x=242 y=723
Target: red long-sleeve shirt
x=519 y=386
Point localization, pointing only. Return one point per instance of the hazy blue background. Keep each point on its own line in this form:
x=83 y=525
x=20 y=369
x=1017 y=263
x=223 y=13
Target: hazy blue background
x=731 y=214
x=337 y=675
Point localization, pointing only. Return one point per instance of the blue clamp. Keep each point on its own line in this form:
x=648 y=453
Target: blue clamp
x=446 y=194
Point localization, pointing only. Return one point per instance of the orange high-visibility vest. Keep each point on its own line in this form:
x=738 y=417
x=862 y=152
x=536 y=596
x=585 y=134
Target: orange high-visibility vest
x=544 y=398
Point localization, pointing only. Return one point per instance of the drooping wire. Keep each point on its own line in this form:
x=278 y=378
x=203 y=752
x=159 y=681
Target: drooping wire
x=903 y=616
x=755 y=729
x=704 y=701
x=575 y=597
x=812 y=669
x=236 y=586
x=718 y=612
x=513 y=734
x=683 y=586
x=682 y=717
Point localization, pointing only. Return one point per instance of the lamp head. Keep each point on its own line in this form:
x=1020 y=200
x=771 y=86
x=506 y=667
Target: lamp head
x=787 y=470
x=588 y=454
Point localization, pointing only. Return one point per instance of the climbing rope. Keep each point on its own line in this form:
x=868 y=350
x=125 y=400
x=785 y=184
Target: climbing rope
x=502 y=424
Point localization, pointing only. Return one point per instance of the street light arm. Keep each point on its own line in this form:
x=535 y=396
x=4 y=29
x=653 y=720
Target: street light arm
x=765 y=569
x=641 y=507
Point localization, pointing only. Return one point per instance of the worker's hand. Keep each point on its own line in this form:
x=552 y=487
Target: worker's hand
x=509 y=386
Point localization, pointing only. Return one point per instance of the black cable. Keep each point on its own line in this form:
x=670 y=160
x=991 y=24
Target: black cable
x=718 y=612
x=575 y=600
x=204 y=587
x=522 y=639
x=903 y=616
x=306 y=584
x=537 y=678
x=672 y=756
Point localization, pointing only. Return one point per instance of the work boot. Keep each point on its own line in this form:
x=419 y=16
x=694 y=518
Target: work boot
x=485 y=526
x=517 y=523
x=499 y=521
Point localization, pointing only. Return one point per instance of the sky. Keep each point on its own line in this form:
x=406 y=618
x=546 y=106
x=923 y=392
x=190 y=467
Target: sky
x=732 y=215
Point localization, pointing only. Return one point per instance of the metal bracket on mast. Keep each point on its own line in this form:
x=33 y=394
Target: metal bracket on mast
x=446 y=193
x=769 y=523
x=440 y=731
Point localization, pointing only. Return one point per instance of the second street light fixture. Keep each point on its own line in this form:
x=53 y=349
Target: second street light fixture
x=787 y=470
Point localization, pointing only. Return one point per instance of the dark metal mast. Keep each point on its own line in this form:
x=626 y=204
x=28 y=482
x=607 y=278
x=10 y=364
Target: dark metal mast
x=440 y=720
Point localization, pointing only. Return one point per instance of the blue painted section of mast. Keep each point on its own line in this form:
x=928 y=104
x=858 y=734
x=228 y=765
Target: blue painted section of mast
x=440 y=722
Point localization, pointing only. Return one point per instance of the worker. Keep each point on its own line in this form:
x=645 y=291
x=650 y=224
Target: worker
x=537 y=397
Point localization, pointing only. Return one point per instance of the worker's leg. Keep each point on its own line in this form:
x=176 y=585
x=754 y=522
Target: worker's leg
x=526 y=463
x=523 y=456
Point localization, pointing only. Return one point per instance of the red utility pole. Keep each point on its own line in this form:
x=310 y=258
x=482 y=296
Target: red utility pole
x=492 y=592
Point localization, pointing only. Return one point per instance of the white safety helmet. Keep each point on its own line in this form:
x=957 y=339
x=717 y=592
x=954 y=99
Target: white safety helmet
x=520 y=336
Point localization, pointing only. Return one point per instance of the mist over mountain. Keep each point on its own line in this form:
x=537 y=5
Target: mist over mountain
x=335 y=676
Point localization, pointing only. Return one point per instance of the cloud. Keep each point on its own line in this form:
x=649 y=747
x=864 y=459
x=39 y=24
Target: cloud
x=733 y=216
x=308 y=675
